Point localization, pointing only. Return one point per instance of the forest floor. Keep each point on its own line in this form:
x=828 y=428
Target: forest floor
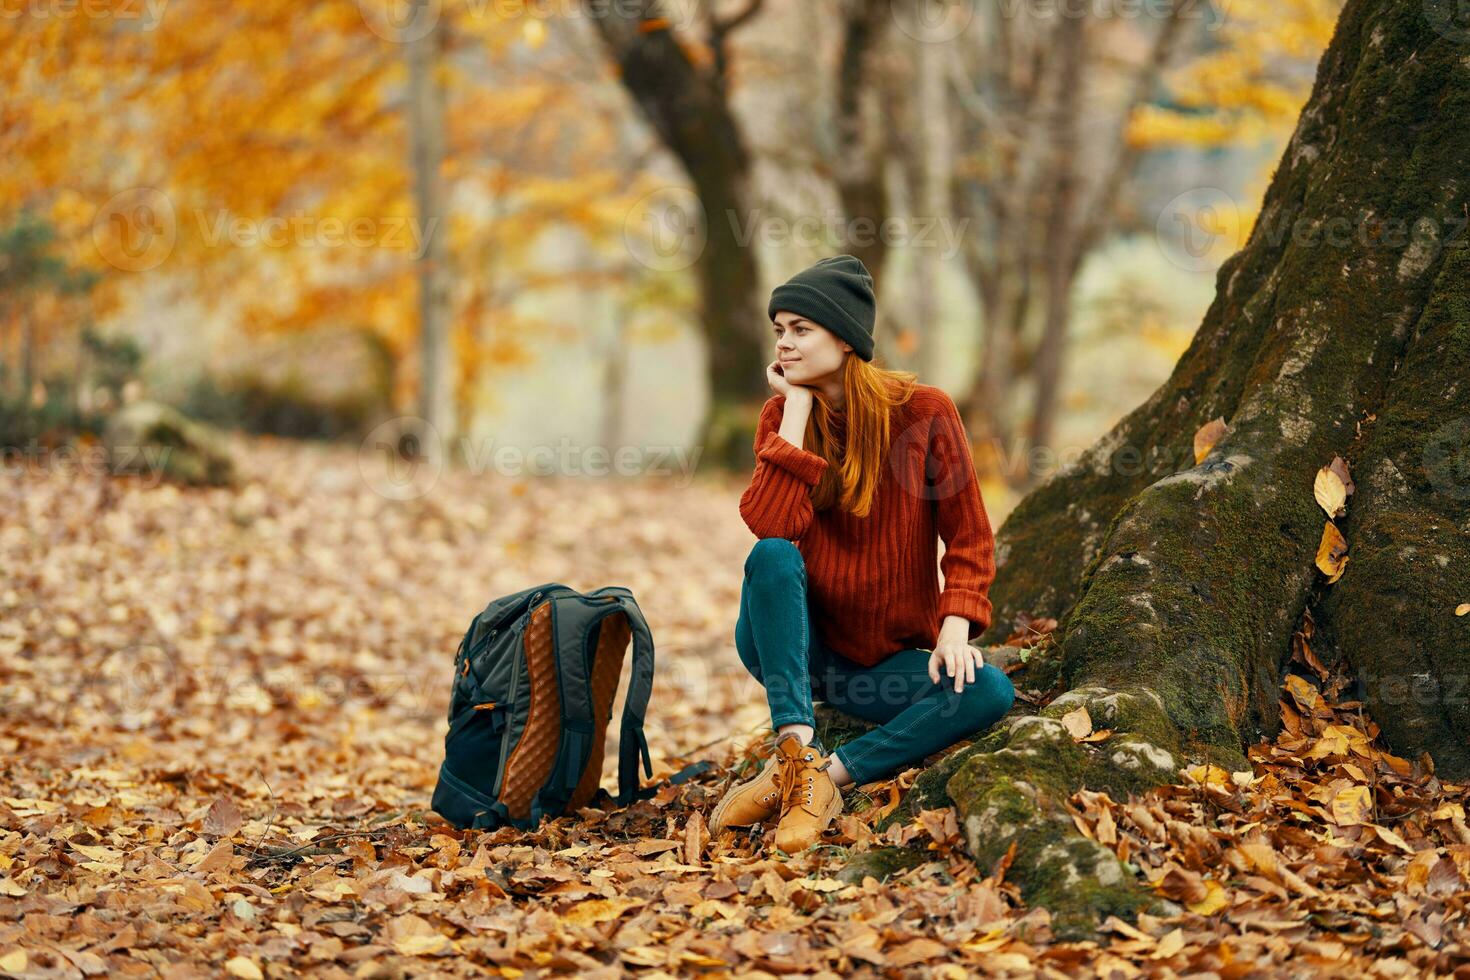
x=222 y=712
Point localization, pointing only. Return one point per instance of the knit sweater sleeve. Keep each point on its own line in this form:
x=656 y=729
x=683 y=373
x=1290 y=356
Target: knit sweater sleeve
x=968 y=562
x=778 y=502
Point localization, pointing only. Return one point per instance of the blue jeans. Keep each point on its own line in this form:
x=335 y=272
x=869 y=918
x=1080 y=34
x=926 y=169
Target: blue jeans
x=779 y=646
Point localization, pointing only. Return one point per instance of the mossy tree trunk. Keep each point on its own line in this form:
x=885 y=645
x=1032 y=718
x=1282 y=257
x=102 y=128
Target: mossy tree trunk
x=1341 y=328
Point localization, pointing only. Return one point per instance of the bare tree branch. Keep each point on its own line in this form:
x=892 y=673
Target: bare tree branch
x=1124 y=154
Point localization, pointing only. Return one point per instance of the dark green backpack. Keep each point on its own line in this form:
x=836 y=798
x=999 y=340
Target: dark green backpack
x=534 y=681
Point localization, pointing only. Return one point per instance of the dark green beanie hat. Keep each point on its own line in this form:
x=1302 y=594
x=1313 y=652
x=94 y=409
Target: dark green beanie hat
x=836 y=293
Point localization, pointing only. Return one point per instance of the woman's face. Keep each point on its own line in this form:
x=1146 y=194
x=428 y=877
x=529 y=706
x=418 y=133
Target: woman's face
x=808 y=353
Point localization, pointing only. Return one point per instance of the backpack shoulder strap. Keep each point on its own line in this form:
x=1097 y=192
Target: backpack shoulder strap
x=576 y=620
x=631 y=741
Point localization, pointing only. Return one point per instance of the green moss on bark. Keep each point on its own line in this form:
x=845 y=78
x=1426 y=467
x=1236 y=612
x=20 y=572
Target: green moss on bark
x=1408 y=526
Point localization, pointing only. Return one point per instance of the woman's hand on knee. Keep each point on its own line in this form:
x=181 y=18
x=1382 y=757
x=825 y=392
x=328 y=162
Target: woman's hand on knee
x=958 y=660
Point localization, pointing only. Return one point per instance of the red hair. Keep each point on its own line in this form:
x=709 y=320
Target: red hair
x=856 y=457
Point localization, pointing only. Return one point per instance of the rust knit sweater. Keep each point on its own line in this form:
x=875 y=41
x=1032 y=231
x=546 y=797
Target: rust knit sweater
x=872 y=582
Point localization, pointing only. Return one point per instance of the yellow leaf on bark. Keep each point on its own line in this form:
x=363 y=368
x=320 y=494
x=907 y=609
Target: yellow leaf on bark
x=1078 y=722
x=1330 y=492
x=1205 y=438
x=1332 y=556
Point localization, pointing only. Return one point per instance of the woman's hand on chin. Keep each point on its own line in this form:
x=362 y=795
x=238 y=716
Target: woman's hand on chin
x=954 y=657
x=781 y=386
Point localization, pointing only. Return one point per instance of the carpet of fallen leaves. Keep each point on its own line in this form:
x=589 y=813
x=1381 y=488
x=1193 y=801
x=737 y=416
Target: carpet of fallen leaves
x=221 y=714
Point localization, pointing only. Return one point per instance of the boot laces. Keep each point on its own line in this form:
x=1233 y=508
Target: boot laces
x=798 y=778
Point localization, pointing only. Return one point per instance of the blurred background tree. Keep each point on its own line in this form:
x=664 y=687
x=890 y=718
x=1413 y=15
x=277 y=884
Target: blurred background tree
x=526 y=221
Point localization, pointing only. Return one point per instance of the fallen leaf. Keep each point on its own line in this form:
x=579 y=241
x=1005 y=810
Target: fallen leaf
x=1182 y=884
x=412 y=935
x=1205 y=438
x=1209 y=775
x=1214 y=899
x=1389 y=837
x=242 y=967
x=1332 y=556
x=1077 y=722
x=1352 y=805
x=598 y=910
x=223 y=817
x=1330 y=492
x=1173 y=942
x=693 y=838
x=916 y=951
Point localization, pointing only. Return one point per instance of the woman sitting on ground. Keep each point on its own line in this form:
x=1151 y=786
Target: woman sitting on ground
x=858 y=469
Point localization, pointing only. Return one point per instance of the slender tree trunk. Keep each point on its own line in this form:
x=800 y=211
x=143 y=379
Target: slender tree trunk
x=1013 y=88
x=1061 y=228
x=27 y=352
x=437 y=376
x=861 y=134
x=936 y=170
x=1339 y=329
x=82 y=396
x=10 y=338
x=614 y=380
x=688 y=108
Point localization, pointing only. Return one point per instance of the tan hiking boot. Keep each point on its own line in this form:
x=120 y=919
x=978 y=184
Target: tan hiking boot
x=810 y=801
x=756 y=800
